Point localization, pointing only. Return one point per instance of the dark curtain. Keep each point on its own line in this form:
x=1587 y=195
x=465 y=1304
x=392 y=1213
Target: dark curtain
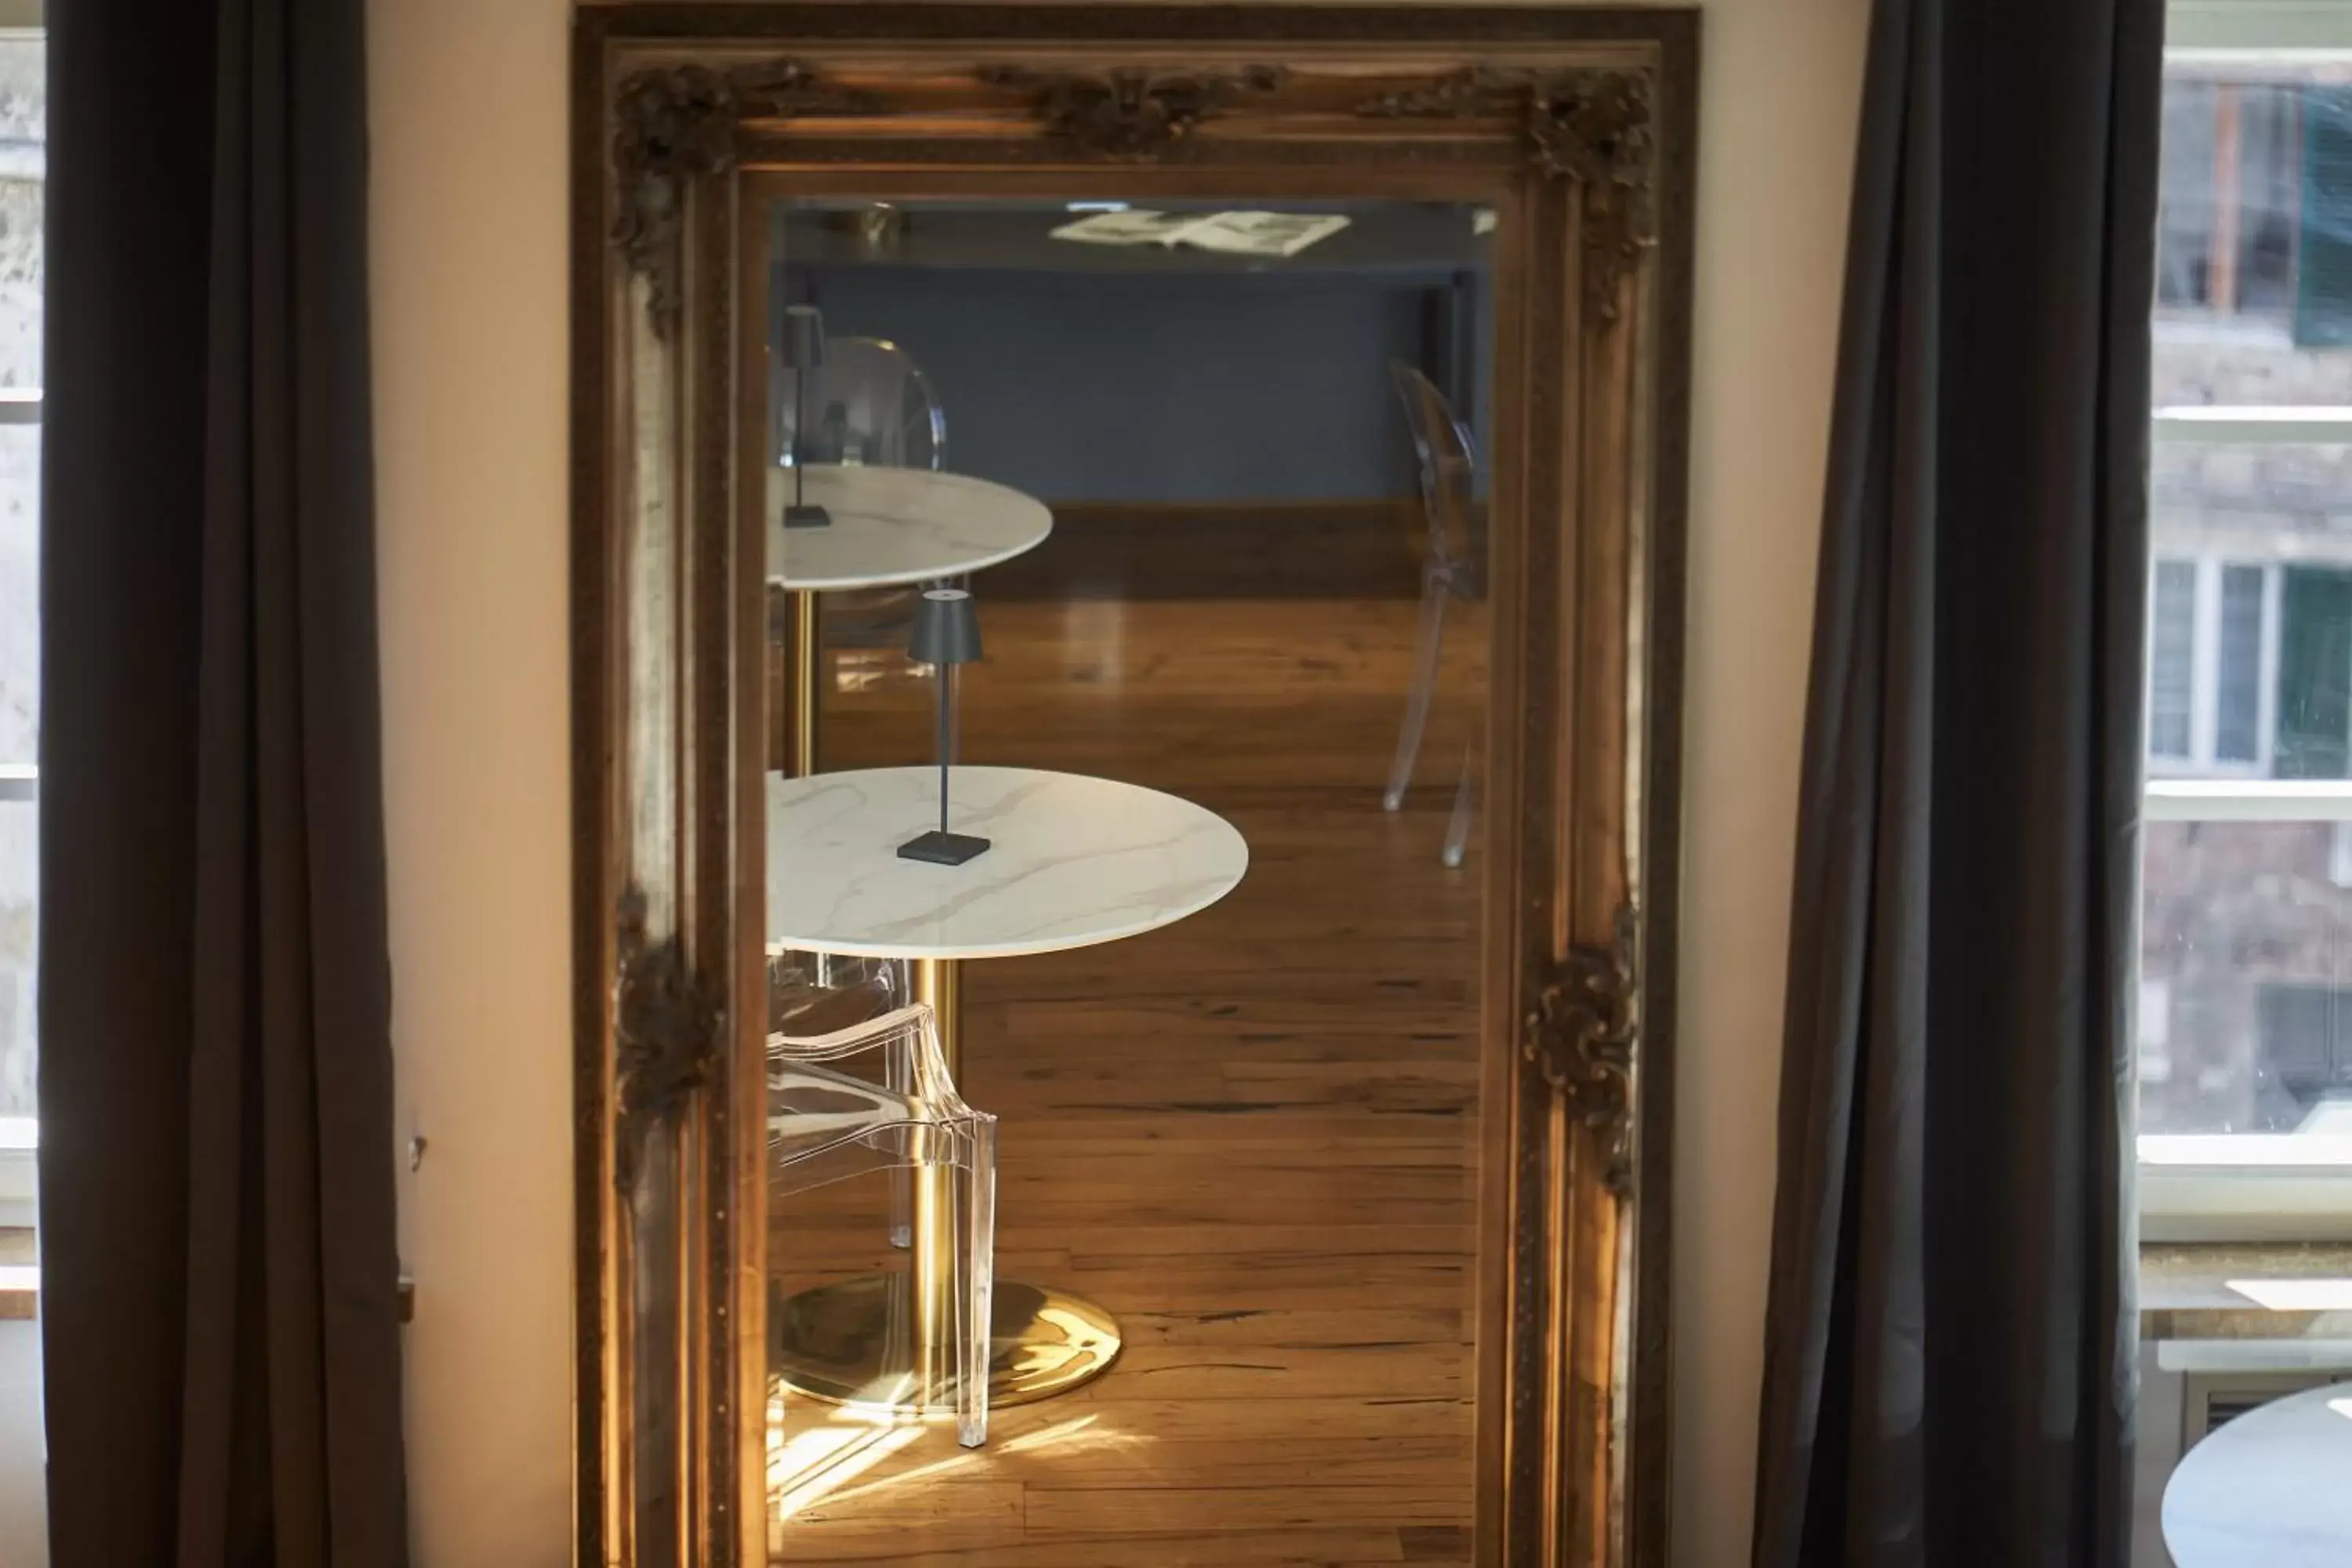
x=219 y=1289
x=1950 y=1365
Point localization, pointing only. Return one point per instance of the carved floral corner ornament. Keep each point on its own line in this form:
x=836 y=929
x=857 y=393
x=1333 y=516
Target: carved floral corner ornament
x=1593 y=126
x=666 y=1035
x=677 y=122
x=1130 y=112
x=1581 y=1034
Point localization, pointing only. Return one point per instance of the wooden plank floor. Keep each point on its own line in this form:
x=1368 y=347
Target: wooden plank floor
x=1250 y=1135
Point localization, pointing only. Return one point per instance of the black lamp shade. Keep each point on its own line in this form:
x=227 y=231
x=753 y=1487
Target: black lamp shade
x=947 y=633
x=947 y=628
x=801 y=344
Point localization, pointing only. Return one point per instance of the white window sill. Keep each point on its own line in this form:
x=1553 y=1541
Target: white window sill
x=2245 y=1188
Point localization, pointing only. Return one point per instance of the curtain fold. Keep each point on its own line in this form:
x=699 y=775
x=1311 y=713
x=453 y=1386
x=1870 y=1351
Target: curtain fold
x=219 y=1282
x=1950 y=1344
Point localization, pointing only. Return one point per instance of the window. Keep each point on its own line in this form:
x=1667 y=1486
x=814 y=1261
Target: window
x=2237 y=678
x=2213 y=646
x=2172 y=660
x=2155 y=1030
x=2231 y=195
x=2244 y=1038
x=2302 y=1050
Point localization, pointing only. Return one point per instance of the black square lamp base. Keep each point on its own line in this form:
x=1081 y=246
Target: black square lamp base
x=807 y=517
x=938 y=848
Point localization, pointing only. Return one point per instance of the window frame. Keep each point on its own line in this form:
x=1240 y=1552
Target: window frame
x=2232 y=1186
x=20 y=1135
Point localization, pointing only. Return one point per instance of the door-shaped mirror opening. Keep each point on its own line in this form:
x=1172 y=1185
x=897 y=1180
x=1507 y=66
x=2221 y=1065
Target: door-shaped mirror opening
x=1125 y=712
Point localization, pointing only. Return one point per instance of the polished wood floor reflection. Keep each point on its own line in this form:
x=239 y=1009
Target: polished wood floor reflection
x=1250 y=1135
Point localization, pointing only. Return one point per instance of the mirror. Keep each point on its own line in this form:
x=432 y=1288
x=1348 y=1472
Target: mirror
x=1127 y=617
x=1214 y=475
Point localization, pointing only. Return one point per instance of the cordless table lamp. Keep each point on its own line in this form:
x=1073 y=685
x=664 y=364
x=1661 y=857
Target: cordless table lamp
x=801 y=350
x=947 y=634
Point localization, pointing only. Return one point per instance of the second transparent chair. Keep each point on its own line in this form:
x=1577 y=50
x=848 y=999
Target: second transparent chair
x=1450 y=569
x=871 y=405
x=828 y=1120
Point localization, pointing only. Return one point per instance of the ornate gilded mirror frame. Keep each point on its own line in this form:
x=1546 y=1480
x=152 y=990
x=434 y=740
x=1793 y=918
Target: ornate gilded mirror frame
x=1577 y=127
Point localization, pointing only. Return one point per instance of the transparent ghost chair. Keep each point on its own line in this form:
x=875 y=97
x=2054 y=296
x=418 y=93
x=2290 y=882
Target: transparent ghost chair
x=832 y=987
x=873 y=1095
x=877 y=409
x=870 y=404
x=1452 y=568
x=818 y=993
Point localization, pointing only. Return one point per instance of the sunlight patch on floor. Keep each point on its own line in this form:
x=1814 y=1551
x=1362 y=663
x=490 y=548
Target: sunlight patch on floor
x=822 y=1463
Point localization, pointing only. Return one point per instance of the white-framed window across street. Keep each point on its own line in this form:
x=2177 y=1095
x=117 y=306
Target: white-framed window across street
x=2244 y=1001
x=2214 y=626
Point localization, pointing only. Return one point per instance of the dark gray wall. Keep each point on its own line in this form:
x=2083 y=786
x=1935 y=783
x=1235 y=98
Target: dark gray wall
x=1161 y=388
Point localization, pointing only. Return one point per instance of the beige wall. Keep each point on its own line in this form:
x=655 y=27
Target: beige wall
x=469 y=104
x=469 y=207
x=1783 y=87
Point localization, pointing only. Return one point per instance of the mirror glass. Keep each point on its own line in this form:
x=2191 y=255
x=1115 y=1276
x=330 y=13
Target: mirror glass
x=1162 y=525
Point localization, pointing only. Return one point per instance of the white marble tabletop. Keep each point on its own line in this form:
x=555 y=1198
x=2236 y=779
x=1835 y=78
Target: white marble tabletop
x=2270 y=1489
x=897 y=525
x=1073 y=861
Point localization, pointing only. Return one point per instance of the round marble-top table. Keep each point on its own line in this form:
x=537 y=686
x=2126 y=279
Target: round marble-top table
x=2267 y=1489
x=896 y=526
x=889 y=527
x=1072 y=861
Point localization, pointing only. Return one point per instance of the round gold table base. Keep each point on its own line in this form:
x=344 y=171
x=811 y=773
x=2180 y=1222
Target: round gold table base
x=848 y=1343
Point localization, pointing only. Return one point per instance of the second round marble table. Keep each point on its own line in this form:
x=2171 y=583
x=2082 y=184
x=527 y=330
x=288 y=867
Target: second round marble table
x=890 y=527
x=1073 y=861
x=2267 y=1489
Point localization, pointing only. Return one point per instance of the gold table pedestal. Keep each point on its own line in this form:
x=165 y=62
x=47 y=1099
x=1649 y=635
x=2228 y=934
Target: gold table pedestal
x=800 y=620
x=853 y=1343
x=867 y=1341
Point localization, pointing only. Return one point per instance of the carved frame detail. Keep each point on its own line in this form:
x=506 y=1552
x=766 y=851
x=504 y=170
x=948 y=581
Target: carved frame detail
x=1583 y=1033
x=673 y=124
x=1129 y=112
x=666 y=1034
x=1591 y=126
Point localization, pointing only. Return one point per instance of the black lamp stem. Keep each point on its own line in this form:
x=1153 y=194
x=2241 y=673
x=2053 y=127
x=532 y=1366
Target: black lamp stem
x=947 y=690
x=800 y=429
x=945 y=635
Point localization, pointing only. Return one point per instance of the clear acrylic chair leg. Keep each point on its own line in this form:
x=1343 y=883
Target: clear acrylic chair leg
x=977 y=1299
x=1423 y=688
x=1466 y=810
x=899 y=1077
x=835 y=970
